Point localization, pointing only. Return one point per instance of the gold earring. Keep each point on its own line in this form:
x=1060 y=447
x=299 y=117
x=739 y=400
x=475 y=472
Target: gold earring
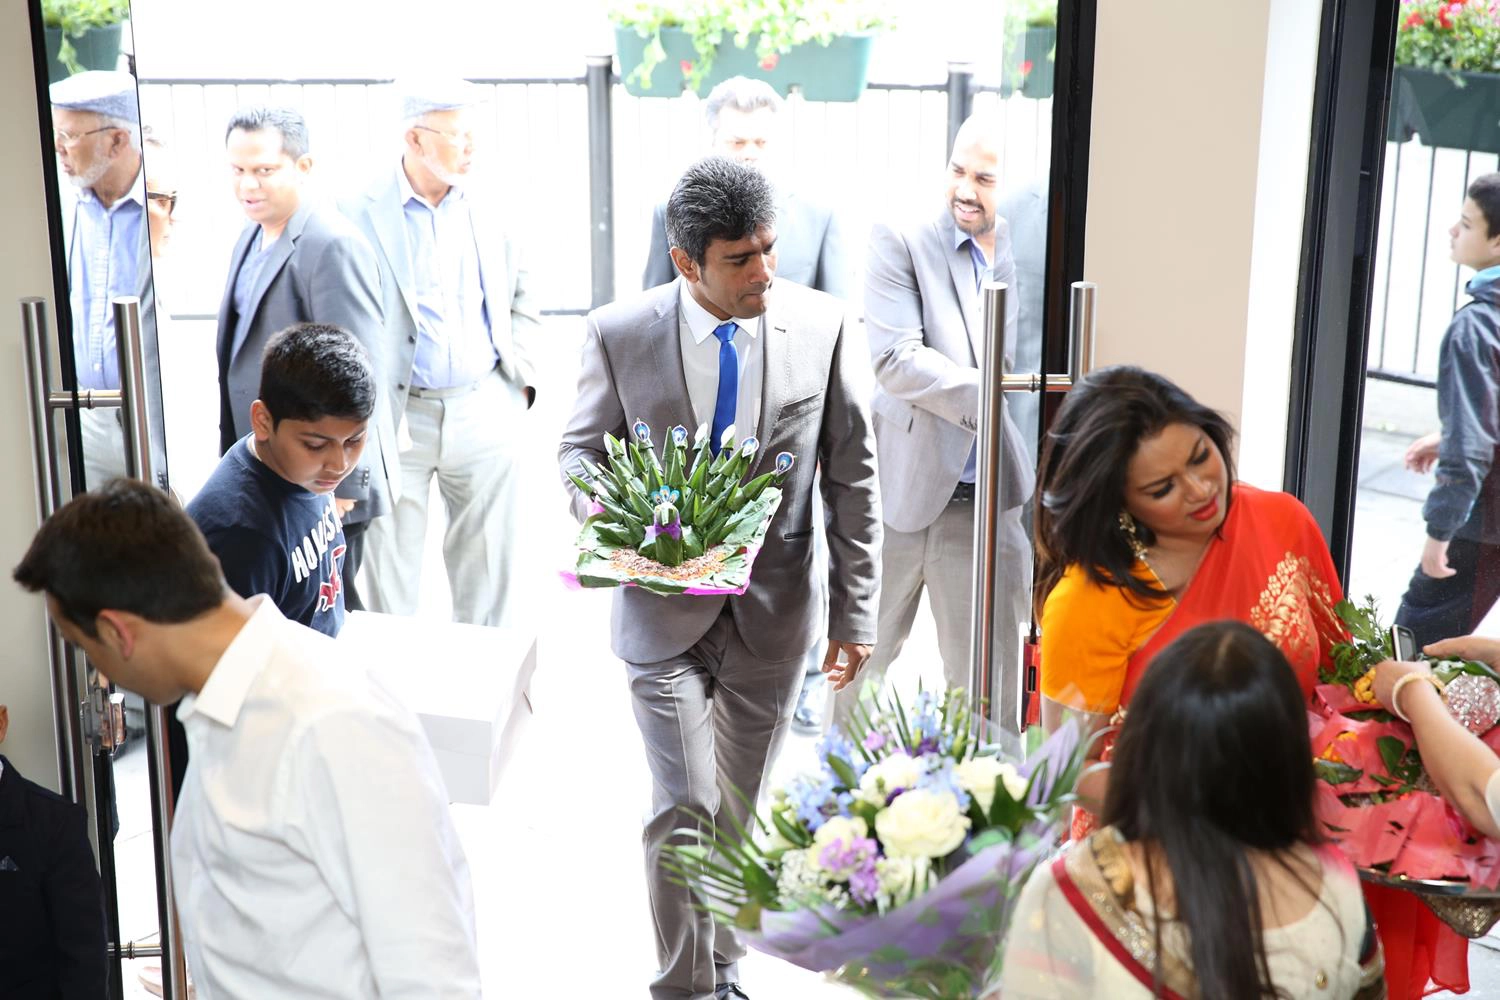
x=1127 y=527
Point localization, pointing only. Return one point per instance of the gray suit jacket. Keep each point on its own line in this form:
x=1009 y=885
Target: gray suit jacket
x=321 y=270
x=809 y=247
x=150 y=346
x=813 y=405
x=923 y=318
x=380 y=216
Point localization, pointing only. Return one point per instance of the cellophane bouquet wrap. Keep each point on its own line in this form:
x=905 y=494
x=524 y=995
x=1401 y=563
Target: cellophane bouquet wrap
x=684 y=522
x=895 y=865
x=1374 y=798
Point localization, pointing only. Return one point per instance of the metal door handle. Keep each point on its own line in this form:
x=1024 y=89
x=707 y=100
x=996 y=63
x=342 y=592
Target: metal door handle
x=994 y=383
x=67 y=702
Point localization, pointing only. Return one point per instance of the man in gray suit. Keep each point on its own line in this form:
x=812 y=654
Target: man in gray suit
x=458 y=318
x=743 y=118
x=97 y=137
x=713 y=680
x=297 y=263
x=923 y=318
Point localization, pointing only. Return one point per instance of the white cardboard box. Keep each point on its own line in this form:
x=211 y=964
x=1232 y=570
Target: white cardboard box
x=467 y=683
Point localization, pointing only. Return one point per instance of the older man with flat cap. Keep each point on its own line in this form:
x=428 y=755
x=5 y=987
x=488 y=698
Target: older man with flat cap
x=458 y=320
x=97 y=135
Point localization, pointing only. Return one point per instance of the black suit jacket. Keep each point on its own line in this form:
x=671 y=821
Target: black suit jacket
x=51 y=906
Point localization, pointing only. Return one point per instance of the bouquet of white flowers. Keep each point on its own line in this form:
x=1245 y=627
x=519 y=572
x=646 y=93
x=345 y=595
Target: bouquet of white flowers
x=684 y=523
x=895 y=865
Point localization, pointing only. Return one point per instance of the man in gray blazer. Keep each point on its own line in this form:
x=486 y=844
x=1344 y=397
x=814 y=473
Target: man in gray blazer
x=97 y=137
x=923 y=318
x=743 y=118
x=459 y=319
x=714 y=679
x=297 y=263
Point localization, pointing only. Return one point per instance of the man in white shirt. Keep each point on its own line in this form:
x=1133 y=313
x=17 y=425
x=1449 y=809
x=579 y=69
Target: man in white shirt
x=312 y=849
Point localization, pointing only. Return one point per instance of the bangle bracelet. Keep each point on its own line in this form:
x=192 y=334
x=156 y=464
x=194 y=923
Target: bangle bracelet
x=1401 y=683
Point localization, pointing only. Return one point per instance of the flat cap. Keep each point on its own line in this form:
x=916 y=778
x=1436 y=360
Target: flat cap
x=420 y=96
x=104 y=92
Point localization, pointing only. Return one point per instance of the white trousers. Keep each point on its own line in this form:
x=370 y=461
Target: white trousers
x=471 y=439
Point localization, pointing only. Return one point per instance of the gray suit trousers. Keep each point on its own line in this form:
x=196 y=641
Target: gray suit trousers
x=940 y=558
x=712 y=720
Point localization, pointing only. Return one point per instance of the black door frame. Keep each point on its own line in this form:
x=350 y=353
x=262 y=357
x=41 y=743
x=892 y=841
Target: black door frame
x=1356 y=57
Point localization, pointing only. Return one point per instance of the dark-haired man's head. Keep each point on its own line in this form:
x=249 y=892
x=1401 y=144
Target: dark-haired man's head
x=1474 y=240
x=268 y=162
x=317 y=393
x=116 y=564
x=721 y=222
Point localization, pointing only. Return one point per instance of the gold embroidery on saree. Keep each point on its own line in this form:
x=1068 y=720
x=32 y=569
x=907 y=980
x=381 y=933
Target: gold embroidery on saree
x=1295 y=610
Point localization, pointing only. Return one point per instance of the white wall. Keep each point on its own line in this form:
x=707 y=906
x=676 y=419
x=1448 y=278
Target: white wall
x=1197 y=166
x=25 y=269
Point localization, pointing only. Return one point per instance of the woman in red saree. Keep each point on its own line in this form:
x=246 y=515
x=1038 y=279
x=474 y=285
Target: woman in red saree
x=1143 y=533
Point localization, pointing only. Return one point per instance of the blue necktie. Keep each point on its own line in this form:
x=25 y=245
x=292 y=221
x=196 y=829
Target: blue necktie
x=729 y=383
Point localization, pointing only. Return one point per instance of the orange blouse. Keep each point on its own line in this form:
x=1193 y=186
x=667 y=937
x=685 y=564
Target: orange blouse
x=1268 y=567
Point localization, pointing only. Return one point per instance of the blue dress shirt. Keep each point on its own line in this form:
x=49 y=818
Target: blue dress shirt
x=103 y=263
x=454 y=343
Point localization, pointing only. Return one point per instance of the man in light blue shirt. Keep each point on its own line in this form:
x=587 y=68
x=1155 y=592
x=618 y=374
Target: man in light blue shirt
x=97 y=137
x=458 y=318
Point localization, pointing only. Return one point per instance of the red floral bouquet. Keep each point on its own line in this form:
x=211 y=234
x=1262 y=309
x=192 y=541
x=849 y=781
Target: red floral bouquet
x=1375 y=798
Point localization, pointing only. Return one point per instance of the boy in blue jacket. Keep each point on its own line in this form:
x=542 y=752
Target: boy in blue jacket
x=1458 y=579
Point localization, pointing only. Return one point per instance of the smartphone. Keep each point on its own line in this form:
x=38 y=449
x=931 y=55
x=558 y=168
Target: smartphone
x=1403 y=642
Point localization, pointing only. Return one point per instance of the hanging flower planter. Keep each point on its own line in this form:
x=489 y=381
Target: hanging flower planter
x=1030 y=64
x=1446 y=88
x=837 y=71
x=81 y=35
x=1452 y=109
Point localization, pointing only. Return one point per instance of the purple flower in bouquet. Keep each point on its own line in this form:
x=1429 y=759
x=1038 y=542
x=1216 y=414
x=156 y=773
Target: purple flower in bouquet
x=784 y=463
x=853 y=863
x=642 y=432
x=679 y=436
x=874 y=740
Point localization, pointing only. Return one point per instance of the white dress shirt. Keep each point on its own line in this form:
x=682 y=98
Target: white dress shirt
x=700 y=364
x=312 y=849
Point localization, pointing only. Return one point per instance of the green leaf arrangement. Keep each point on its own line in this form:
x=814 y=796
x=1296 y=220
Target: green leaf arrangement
x=669 y=511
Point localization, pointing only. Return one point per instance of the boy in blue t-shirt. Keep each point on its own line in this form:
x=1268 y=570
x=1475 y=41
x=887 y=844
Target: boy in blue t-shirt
x=1458 y=579
x=268 y=510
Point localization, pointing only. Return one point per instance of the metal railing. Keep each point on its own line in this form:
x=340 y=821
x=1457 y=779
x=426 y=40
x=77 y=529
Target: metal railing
x=1417 y=286
x=576 y=154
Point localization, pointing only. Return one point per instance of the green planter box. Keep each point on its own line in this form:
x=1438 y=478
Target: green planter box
x=1035 y=45
x=1456 y=110
x=97 y=48
x=836 y=72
